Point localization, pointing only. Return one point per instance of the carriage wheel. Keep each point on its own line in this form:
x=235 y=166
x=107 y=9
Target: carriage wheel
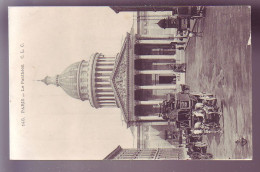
x=207 y=156
x=196 y=155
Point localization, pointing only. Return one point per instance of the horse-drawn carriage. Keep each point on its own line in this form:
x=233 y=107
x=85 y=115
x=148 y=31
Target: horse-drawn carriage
x=196 y=114
x=198 y=151
x=177 y=107
x=189 y=108
x=206 y=113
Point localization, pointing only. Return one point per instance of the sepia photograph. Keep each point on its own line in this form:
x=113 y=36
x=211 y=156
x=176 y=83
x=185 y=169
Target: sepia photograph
x=130 y=83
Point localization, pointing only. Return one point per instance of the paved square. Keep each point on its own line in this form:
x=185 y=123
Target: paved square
x=219 y=62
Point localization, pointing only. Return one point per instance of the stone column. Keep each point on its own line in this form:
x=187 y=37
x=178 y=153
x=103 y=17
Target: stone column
x=103 y=89
x=105 y=93
x=154 y=41
x=105 y=67
x=106 y=98
x=166 y=72
x=107 y=101
x=150 y=118
x=104 y=83
x=103 y=77
x=149 y=102
x=106 y=63
x=105 y=72
x=155 y=57
x=149 y=123
x=161 y=37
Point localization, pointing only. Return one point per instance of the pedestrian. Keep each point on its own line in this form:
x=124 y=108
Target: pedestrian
x=242 y=141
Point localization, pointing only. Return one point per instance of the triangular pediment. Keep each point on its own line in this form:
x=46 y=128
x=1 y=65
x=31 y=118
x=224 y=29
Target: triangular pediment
x=120 y=80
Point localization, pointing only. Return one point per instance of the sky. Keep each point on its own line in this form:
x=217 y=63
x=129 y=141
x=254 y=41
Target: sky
x=56 y=125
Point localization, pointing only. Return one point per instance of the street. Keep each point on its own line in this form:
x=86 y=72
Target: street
x=219 y=62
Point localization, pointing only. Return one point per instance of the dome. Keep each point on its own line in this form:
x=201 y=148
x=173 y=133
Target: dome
x=73 y=80
x=88 y=81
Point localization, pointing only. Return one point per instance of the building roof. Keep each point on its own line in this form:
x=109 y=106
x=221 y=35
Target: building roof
x=114 y=153
x=120 y=78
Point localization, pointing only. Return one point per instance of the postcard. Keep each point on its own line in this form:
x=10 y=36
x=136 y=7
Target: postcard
x=130 y=83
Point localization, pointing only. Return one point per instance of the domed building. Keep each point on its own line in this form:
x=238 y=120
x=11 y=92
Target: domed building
x=136 y=81
x=88 y=80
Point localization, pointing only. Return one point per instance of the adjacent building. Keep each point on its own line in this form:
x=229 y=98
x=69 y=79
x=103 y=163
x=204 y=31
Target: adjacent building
x=146 y=154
